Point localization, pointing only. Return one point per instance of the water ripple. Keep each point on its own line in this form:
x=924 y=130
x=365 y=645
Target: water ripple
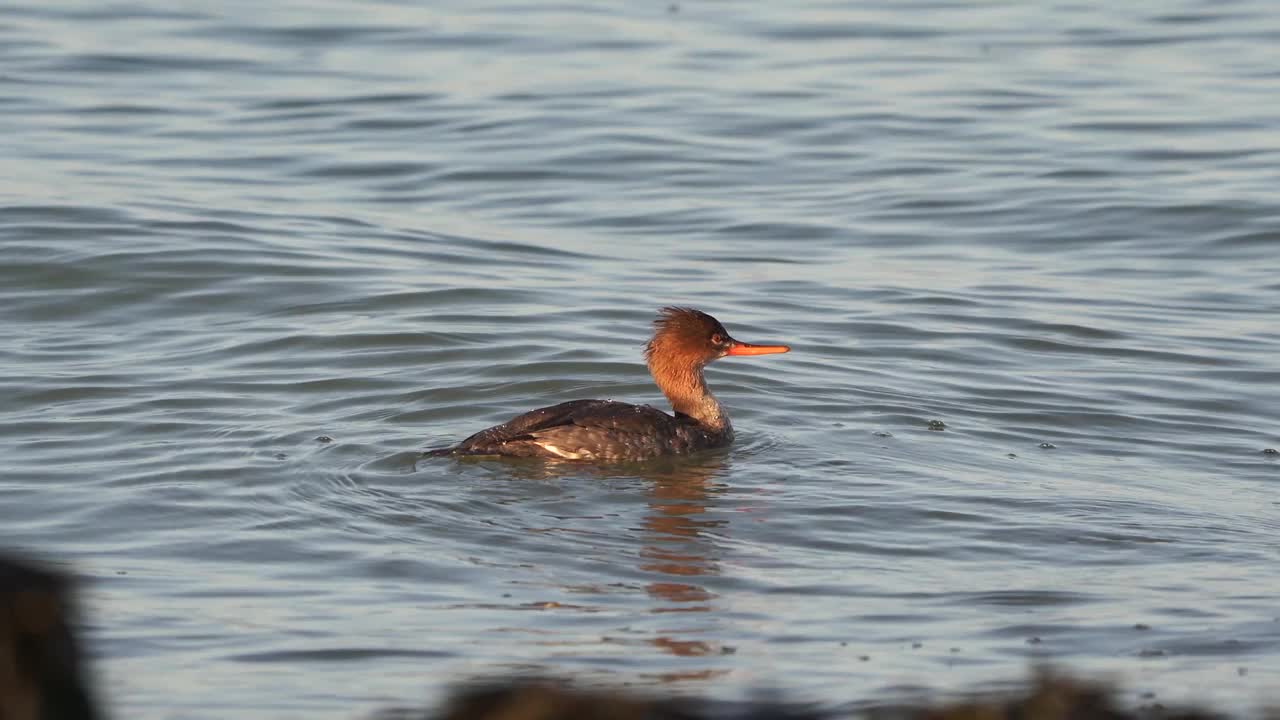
x=254 y=261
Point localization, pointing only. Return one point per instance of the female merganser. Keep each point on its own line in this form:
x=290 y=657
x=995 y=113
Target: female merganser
x=684 y=341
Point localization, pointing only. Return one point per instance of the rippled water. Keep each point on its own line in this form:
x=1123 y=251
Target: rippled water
x=255 y=256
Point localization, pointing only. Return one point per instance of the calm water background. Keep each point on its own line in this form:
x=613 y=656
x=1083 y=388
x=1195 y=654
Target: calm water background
x=229 y=232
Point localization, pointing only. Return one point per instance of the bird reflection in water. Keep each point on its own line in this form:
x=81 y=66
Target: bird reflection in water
x=678 y=544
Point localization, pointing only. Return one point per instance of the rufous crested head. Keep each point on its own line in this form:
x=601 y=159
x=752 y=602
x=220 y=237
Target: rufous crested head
x=691 y=338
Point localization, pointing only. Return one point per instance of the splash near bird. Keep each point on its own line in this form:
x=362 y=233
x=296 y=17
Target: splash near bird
x=684 y=342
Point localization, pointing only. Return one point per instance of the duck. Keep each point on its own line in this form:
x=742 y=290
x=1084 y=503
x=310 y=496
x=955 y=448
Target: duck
x=685 y=340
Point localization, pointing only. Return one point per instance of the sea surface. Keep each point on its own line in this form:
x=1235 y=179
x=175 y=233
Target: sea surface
x=256 y=256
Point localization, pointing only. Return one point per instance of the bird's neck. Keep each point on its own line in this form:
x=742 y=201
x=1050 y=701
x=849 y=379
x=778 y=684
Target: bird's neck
x=686 y=390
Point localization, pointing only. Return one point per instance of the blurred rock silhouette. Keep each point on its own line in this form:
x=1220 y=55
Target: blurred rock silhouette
x=41 y=673
x=1048 y=697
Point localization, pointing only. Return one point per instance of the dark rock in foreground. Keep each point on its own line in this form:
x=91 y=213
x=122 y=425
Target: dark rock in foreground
x=41 y=673
x=1049 y=697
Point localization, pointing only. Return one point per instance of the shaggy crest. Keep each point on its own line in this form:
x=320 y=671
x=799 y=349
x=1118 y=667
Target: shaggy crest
x=683 y=331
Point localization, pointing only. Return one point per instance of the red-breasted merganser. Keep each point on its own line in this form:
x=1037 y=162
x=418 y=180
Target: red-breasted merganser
x=684 y=341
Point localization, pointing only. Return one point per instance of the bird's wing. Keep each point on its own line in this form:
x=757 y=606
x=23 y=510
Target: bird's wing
x=589 y=415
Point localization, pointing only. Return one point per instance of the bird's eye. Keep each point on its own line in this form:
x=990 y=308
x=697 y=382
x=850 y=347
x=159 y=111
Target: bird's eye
x=717 y=338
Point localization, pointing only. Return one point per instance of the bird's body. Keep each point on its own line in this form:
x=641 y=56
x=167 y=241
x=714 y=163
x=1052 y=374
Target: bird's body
x=594 y=430
x=603 y=431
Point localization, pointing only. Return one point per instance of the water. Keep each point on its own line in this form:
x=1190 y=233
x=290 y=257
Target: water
x=255 y=256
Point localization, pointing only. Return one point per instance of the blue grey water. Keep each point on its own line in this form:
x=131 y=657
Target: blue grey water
x=255 y=256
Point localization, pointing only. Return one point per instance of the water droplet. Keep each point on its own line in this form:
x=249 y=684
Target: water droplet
x=937 y=425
